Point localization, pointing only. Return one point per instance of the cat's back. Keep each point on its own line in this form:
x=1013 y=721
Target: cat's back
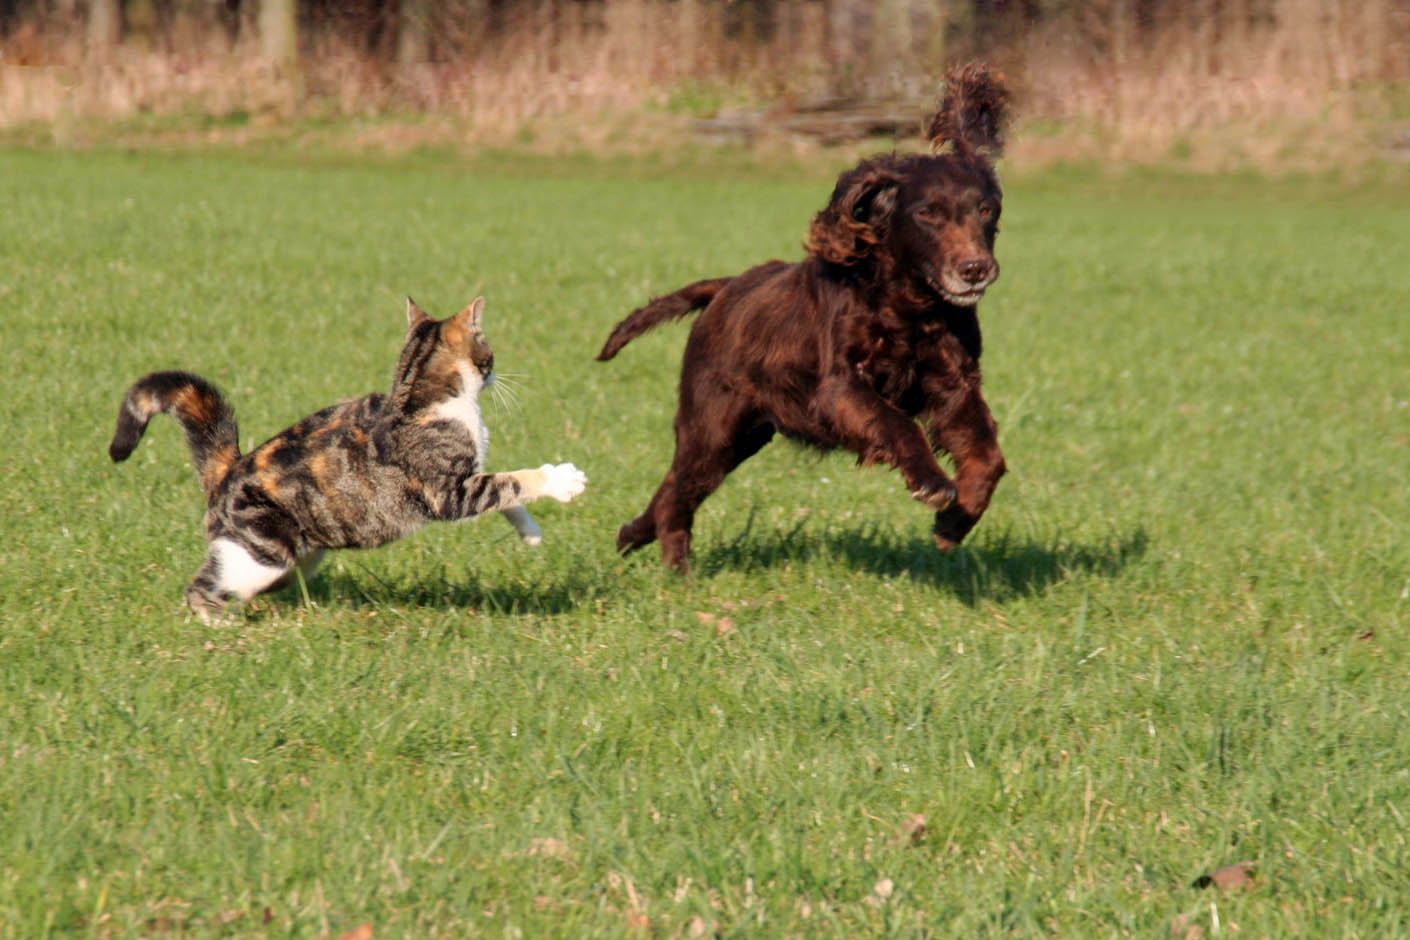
x=348 y=425
x=323 y=482
x=317 y=454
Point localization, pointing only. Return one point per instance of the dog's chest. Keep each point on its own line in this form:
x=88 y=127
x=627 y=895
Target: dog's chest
x=901 y=364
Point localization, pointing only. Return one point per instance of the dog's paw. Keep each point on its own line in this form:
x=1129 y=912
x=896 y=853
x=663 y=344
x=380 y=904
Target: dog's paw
x=951 y=526
x=563 y=481
x=939 y=497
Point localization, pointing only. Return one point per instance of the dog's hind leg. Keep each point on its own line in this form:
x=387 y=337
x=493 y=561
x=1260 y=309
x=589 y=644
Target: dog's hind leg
x=706 y=452
x=638 y=533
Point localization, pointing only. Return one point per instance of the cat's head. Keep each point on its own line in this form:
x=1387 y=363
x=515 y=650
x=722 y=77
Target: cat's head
x=443 y=359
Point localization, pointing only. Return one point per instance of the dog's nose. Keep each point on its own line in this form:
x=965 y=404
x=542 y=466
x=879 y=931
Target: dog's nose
x=974 y=270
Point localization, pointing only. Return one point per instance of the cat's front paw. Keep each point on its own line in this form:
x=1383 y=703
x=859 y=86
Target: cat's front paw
x=563 y=481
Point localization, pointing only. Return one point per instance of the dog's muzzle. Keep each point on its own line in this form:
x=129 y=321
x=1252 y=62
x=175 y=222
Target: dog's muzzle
x=966 y=283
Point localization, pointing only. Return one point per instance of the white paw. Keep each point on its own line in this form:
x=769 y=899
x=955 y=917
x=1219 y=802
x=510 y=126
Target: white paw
x=563 y=481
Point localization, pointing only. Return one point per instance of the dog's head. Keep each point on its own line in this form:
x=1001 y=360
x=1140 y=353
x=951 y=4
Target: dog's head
x=930 y=220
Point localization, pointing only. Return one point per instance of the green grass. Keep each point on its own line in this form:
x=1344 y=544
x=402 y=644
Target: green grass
x=1177 y=641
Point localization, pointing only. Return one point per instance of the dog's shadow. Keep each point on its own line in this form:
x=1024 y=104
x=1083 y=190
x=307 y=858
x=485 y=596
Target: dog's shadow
x=994 y=568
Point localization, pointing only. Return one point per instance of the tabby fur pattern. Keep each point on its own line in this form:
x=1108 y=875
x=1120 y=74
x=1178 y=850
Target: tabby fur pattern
x=358 y=474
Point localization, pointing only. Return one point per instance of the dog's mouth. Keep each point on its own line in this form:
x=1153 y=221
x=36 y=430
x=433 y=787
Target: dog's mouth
x=967 y=296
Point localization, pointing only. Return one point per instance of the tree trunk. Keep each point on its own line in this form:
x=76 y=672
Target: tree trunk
x=414 y=32
x=104 y=24
x=229 y=15
x=279 y=32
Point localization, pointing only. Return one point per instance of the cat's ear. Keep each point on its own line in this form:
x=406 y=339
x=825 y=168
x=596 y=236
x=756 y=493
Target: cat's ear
x=470 y=316
x=415 y=316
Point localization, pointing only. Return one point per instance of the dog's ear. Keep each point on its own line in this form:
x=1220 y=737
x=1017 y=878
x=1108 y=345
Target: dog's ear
x=860 y=208
x=973 y=112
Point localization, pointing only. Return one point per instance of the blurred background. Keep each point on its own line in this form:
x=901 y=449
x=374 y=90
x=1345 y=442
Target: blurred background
x=1216 y=84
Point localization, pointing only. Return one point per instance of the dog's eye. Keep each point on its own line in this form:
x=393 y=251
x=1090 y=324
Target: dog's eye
x=986 y=211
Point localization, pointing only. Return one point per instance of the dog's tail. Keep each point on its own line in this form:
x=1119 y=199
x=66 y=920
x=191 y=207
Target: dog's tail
x=658 y=311
x=973 y=113
x=204 y=414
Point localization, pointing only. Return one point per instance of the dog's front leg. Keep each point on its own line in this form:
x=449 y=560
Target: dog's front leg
x=879 y=432
x=962 y=426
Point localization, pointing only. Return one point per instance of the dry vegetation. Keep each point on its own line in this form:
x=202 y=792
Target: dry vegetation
x=1217 y=83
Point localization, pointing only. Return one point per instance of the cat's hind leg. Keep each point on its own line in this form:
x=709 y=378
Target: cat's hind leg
x=307 y=567
x=524 y=524
x=308 y=564
x=231 y=573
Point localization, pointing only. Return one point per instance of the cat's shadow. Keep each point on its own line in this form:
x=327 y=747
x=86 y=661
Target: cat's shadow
x=466 y=592
x=995 y=568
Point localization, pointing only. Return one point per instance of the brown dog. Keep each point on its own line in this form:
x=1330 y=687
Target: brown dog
x=846 y=348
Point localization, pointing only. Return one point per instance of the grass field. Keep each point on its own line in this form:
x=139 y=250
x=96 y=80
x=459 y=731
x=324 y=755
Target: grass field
x=1177 y=641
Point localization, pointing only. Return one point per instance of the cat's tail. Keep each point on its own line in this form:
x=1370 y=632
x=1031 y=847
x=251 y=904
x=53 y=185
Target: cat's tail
x=658 y=311
x=206 y=417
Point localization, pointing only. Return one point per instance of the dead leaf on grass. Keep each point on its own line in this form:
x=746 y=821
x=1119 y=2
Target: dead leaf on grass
x=1237 y=875
x=724 y=626
x=549 y=847
x=360 y=932
x=881 y=892
x=912 y=831
x=1184 y=928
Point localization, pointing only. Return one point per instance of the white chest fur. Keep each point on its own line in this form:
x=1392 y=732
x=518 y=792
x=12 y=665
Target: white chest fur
x=464 y=409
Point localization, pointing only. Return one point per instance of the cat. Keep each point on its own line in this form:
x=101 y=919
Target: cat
x=358 y=474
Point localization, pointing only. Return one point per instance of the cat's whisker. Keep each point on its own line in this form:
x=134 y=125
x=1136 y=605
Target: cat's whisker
x=509 y=381
x=504 y=397
x=506 y=385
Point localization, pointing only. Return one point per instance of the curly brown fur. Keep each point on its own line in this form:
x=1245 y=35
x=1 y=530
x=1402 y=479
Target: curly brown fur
x=874 y=329
x=973 y=113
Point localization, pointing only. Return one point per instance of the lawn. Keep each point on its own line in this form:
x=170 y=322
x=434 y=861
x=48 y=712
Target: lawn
x=1178 y=640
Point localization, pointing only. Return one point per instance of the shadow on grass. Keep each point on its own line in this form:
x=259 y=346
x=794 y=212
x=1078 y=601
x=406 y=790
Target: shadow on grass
x=465 y=592
x=995 y=567
x=991 y=566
